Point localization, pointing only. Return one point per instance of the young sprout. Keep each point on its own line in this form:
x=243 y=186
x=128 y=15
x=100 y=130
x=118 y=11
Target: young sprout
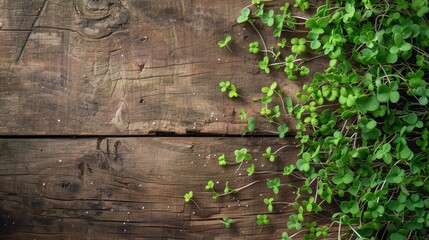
x=269 y=203
x=262 y=219
x=254 y=47
x=227 y=222
x=241 y=155
x=269 y=155
x=251 y=170
x=232 y=90
x=243 y=114
x=224 y=42
x=274 y=184
x=188 y=197
x=210 y=186
x=221 y=160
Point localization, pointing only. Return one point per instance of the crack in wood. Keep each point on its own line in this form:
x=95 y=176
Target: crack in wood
x=18 y=60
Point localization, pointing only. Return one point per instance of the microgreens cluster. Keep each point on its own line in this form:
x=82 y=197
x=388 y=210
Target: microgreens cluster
x=363 y=123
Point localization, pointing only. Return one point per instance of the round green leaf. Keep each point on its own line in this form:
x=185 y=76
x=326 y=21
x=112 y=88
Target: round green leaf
x=394 y=97
x=392 y=58
x=383 y=93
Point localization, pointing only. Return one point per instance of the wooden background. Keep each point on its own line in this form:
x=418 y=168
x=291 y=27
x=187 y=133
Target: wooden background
x=111 y=111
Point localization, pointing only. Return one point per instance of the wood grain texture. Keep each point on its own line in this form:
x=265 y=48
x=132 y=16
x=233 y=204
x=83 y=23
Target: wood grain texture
x=132 y=188
x=125 y=67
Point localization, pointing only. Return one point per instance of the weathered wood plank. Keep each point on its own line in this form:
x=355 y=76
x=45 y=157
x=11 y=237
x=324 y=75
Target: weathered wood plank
x=127 y=188
x=129 y=67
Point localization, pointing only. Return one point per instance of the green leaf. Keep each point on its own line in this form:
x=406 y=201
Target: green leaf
x=288 y=169
x=227 y=222
x=367 y=103
x=221 y=160
x=274 y=185
x=397 y=37
x=304 y=71
x=283 y=129
x=303 y=165
x=254 y=47
x=396 y=175
x=262 y=219
x=383 y=93
x=392 y=58
x=227 y=190
x=397 y=236
x=350 y=207
x=394 y=96
x=243 y=114
x=315 y=44
x=188 y=196
x=245 y=12
x=251 y=124
x=251 y=170
x=241 y=155
x=210 y=185
x=225 y=42
x=264 y=64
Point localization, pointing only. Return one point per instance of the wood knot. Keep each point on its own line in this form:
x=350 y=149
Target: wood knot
x=100 y=18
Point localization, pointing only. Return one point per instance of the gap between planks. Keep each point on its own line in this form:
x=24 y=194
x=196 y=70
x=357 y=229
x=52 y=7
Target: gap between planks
x=209 y=135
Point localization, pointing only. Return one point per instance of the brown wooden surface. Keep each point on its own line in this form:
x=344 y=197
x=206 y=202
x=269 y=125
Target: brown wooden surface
x=121 y=188
x=108 y=68
x=150 y=66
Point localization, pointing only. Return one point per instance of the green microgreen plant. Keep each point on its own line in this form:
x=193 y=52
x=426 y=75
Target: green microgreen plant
x=188 y=196
x=362 y=122
x=224 y=42
x=254 y=47
x=210 y=186
x=269 y=155
x=269 y=203
x=227 y=222
x=262 y=220
x=221 y=160
x=228 y=86
x=274 y=184
x=241 y=155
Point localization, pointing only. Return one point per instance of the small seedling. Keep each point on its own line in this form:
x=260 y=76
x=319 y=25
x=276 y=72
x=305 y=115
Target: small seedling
x=298 y=45
x=227 y=222
x=210 y=186
x=254 y=47
x=264 y=64
x=269 y=155
x=274 y=184
x=251 y=170
x=188 y=196
x=283 y=129
x=221 y=160
x=245 y=12
x=269 y=91
x=251 y=124
x=269 y=203
x=227 y=190
x=288 y=169
x=262 y=219
x=224 y=42
x=241 y=155
x=243 y=114
x=232 y=90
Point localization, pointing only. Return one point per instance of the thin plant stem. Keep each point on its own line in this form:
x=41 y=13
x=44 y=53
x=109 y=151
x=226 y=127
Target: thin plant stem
x=260 y=36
